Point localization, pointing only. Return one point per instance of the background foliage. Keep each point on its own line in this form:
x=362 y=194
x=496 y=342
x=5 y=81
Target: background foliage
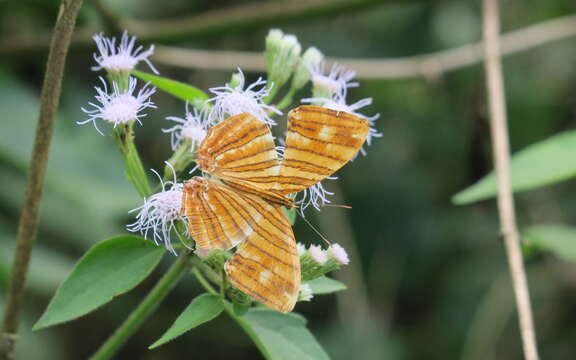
x=434 y=274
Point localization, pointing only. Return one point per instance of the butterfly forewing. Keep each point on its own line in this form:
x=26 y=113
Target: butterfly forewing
x=266 y=266
x=241 y=148
x=319 y=141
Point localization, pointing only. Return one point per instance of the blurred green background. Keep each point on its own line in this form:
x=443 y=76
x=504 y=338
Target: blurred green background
x=428 y=279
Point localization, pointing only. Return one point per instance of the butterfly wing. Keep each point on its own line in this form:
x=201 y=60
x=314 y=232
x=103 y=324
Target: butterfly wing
x=211 y=221
x=266 y=266
x=240 y=149
x=319 y=141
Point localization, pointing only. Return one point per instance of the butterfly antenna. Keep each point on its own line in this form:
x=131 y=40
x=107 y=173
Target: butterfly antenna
x=338 y=206
x=316 y=231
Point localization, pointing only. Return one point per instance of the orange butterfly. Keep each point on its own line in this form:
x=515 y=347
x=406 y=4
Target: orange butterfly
x=243 y=205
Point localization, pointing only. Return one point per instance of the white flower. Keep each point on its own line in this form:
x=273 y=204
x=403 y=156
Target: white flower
x=123 y=58
x=338 y=253
x=301 y=249
x=119 y=107
x=229 y=101
x=318 y=254
x=306 y=293
x=159 y=213
x=338 y=103
x=332 y=83
x=193 y=127
x=316 y=196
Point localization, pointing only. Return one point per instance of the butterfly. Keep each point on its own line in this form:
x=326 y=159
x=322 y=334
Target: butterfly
x=240 y=204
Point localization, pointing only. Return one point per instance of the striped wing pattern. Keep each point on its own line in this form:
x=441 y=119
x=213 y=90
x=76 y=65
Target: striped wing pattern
x=266 y=266
x=246 y=209
x=319 y=141
x=240 y=149
x=212 y=222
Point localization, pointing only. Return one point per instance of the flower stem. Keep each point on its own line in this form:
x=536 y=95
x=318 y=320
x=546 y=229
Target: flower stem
x=27 y=226
x=228 y=307
x=501 y=151
x=145 y=309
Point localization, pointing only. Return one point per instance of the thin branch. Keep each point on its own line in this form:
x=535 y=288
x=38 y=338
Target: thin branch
x=248 y=16
x=428 y=65
x=501 y=153
x=27 y=226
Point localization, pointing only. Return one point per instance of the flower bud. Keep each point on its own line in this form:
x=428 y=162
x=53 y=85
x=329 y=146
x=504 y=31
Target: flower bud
x=311 y=58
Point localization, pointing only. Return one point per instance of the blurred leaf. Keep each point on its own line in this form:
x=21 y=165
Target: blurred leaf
x=282 y=336
x=558 y=239
x=290 y=214
x=82 y=167
x=202 y=309
x=47 y=268
x=179 y=89
x=325 y=285
x=544 y=163
x=110 y=268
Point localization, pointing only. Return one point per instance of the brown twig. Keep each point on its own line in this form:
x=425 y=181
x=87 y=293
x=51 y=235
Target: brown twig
x=27 y=226
x=501 y=153
x=248 y=16
x=427 y=65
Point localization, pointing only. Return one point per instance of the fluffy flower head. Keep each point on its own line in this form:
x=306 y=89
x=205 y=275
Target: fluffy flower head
x=318 y=254
x=193 y=127
x=159 y=213
x=326 y=85
x=232 y=100
x=122 y=58
x=338 y=253
x=119 y=107
x=315 y=196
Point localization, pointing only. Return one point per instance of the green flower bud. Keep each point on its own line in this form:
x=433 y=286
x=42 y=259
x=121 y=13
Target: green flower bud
x=273 y=44
x=311 y=58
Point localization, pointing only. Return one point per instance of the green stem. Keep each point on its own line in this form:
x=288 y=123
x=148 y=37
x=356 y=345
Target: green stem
x=228 y=307
x=202 y=280
x=145 y=309
x=247 y=329
x=287 y=99
x=207 y=270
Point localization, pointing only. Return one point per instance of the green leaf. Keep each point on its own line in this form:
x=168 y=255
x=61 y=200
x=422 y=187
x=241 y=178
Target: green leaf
x=180 y=90
x=325 y=285
x=110 y=268
x=544 y=163
x=290 y=214
x=202 y=309
x=281 y=336
x=558 y=239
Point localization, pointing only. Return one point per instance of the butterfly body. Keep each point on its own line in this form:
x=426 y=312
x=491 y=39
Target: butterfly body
x=243 y=205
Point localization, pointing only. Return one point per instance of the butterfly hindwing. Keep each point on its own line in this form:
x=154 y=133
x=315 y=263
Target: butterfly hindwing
x=212 y=221
x=266 y=265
